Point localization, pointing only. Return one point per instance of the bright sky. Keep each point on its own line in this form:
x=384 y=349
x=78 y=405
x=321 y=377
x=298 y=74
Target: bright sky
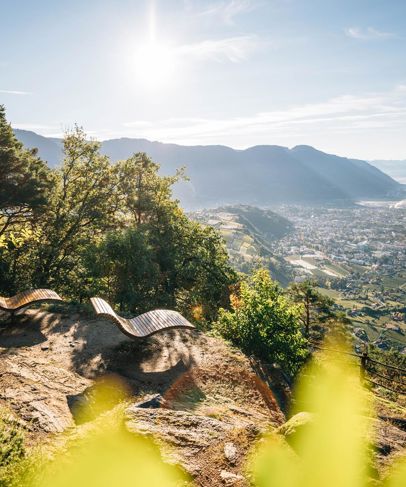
x=328 y=73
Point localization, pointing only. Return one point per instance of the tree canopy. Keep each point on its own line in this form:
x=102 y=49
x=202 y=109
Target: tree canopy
x=92 y=227
x=25 y=180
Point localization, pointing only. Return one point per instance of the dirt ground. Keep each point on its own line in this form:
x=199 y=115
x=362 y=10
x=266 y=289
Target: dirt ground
x=205 y=394
x=197 y=396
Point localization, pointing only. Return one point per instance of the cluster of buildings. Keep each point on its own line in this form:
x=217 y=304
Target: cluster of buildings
x=354 y=240
x=359 y=252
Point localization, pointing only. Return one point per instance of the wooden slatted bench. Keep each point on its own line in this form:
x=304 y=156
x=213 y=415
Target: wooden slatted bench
x=27 y=298
x=144 y=325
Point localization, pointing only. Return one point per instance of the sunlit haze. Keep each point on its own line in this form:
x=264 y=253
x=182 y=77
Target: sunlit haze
x=233 y=72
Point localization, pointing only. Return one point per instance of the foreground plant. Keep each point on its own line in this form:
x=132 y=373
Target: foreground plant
x=104 y=453
x=332 y=447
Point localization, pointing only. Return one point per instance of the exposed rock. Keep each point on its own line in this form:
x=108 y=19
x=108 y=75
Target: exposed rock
x=389 y=441
x=231 y=453
x=36 y=390
x=180 y=428
x=230 y=478
x=295 y=426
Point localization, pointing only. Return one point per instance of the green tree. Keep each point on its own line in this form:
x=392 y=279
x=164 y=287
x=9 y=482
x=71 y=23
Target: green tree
x=263 y=322
x=25 y=183
x=24 y=179
x=82 y=207
x=162 y=259
x=316 y=308
x=194 y=265
x=175 y=263
x=145 y=194
x=121 y=267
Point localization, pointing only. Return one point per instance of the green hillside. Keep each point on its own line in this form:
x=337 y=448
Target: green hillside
x=248 y=231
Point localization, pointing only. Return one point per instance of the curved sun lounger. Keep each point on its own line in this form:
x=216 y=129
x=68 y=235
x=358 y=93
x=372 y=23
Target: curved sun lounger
x=26 y=299
x=144 y=325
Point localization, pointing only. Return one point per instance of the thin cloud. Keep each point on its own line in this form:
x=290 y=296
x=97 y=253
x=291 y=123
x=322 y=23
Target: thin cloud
x=14 y=92
x=138 y=124
x=368 y=34
x=228 y=10
x=233 y=49
x=343 y=114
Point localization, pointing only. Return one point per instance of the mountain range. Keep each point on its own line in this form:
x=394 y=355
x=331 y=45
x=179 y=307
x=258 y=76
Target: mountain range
x=261 y=175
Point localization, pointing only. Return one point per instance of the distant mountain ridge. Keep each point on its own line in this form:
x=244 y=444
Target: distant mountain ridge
x=49 y=149
x=260 y=175
x=395 y=169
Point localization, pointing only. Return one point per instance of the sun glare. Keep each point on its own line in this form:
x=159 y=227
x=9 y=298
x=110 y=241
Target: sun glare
x=154 y=60
x=154 y=64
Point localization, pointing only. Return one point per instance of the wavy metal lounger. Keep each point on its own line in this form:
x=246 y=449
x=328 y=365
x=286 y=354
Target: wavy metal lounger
x=26 y=299
x=144 y=325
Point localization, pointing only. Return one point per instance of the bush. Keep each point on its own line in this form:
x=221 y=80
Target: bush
x=263 y=323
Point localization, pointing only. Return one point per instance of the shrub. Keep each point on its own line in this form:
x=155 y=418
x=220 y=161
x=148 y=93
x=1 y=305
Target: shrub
x=263 y=322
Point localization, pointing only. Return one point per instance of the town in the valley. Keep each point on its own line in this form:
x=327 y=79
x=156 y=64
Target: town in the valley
x=357 y=255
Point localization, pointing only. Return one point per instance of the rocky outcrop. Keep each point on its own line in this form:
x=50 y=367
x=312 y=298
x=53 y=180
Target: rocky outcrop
x=199 y=398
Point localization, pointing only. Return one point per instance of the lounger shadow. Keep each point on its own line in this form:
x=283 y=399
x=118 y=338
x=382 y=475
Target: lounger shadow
x=144 y=325
x=26 y=299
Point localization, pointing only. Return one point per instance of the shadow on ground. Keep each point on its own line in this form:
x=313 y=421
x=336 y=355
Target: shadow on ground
x=24 y=330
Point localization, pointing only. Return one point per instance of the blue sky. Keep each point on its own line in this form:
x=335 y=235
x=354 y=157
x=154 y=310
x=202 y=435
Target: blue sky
x=328 y=73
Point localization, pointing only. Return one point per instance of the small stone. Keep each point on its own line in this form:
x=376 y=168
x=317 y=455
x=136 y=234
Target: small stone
x=44 y=346
x=230 y=452
x=230 y=478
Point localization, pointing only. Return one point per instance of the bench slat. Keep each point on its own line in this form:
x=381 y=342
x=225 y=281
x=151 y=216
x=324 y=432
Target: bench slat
x=144 y=325
x=28 y=298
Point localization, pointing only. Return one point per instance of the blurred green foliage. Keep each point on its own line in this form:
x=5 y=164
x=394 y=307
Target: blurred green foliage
x=332 y=446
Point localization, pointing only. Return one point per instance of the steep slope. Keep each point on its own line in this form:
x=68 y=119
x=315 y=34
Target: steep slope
x=395 y=169
x=355 y=178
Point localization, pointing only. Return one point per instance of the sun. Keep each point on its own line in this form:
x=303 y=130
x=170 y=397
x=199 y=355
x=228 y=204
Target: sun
x=154 y=64
x=154 y=58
